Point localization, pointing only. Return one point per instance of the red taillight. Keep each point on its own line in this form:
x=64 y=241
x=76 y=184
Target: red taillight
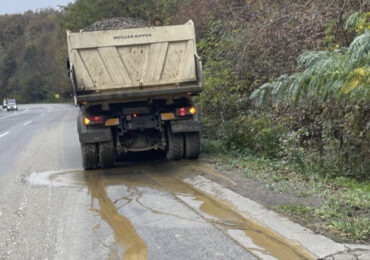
x=93 y=120
x=182 y=111
x=185 y=111
x=98 y=120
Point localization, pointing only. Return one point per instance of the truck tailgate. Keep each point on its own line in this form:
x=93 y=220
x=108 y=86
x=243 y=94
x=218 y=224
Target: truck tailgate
x=134 y=58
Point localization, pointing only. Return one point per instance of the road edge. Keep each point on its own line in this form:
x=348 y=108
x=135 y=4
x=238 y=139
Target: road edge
x=318 y=245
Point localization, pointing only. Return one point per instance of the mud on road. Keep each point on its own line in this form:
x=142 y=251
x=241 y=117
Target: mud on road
x=132 y=198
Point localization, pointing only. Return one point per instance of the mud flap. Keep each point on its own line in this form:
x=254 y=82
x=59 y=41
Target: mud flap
x=185 y=126
x=92 y=135
x=96 y=136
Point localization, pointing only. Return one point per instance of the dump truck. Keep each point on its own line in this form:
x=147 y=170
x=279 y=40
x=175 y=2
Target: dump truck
x=134 y=90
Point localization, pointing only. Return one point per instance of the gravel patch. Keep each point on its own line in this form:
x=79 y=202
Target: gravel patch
x=117 y=23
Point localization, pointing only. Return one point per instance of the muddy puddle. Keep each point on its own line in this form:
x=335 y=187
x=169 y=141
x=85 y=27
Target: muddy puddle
x=166 y=177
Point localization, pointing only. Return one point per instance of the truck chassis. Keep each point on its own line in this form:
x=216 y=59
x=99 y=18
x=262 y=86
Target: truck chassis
x=106 y=131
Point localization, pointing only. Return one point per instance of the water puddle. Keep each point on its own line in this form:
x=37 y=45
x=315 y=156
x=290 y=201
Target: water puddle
x=166 y=177
x=66 y=178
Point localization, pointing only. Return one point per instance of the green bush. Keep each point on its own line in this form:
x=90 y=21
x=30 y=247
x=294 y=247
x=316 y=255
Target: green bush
x=328 y=105
x=254 y=134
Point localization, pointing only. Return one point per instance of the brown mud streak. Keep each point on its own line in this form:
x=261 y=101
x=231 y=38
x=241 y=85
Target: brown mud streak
x=168 y=176
x=275 y=244
x=124 y=232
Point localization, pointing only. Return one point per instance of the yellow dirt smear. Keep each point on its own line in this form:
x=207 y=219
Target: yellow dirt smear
x=228 y=219
x=168 y=176
x=124 y=233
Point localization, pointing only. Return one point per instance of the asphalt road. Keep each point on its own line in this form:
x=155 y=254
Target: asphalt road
x=51 y=209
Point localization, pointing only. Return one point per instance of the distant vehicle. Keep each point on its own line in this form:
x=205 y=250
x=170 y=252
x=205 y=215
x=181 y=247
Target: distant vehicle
x=4 y=103
x=11 y=104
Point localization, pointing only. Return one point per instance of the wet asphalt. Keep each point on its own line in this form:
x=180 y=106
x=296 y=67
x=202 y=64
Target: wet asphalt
x=51 y=209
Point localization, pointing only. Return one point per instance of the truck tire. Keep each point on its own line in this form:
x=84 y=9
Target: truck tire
x=106 y=154
x=192 y=145
x=175 y=145
x=89 y=156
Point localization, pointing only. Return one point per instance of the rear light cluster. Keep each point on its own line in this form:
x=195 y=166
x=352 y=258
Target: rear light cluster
x=93 y=120
x=101 y=120
x=186 y=111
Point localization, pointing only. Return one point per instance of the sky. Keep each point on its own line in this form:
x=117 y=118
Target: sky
x=20 y=6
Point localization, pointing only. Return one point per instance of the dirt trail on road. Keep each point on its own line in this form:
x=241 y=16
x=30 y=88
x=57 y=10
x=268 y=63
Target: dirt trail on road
x=165 y=176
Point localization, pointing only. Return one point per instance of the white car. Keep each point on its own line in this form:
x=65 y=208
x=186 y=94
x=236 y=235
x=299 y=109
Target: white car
x=11 y=105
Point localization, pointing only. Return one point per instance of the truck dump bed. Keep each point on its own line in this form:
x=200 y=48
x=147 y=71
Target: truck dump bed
x=134 y=63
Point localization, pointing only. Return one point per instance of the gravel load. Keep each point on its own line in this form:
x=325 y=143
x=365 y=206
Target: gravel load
x=118 y=23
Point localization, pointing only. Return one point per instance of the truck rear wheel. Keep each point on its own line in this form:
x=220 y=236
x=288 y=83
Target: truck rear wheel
x=192 y=145
x=106 y=154
x=89 y=156
x=175 y=145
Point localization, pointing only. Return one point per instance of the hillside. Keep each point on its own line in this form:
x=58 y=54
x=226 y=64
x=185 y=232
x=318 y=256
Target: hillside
x=31 y=57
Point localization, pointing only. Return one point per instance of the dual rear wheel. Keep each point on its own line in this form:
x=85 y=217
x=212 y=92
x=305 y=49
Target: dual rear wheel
x=179 y=146
x=182 y=145
x=192 y=145
x=97 y=155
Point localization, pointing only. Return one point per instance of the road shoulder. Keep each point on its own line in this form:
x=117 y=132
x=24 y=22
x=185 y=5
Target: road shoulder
x=258 y=201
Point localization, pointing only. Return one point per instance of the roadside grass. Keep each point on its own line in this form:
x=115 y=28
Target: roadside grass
x=344 y=213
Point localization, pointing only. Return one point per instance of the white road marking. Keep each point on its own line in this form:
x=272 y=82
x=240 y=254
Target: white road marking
x=27 y=123
x=4 y=134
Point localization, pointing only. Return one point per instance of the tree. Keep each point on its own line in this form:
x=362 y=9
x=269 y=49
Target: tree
x=8 y=68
